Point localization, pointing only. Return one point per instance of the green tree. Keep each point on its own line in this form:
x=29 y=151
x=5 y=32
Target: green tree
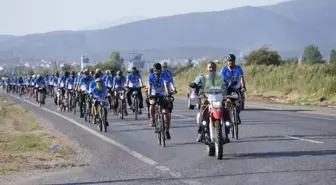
x=333 y=56
x=263 y=56
x=115 y=56
x=291 y=60
x=67 y=67
x=312 y=55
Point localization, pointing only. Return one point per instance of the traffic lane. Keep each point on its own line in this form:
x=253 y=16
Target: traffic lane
x=103 y=162
x=192 y=154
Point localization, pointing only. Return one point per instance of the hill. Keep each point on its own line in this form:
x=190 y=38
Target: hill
x=286 y=27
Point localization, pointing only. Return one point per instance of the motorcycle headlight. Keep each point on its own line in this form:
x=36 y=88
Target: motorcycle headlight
x=216 y=104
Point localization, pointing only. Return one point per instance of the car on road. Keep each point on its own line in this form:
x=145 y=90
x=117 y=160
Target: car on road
x=192 y=97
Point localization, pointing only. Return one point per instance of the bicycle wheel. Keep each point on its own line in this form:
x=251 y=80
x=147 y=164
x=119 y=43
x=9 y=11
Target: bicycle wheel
x=100 y=118
x=158 y=128
x=235 y=124
x=135 y=104
x=104 y=118
x=163 y=129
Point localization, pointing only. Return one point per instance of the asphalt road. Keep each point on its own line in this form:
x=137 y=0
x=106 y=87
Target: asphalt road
x=275 y=147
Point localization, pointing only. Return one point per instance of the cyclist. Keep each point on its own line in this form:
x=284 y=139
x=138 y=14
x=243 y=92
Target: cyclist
x=84 y=86
x=61 y=85
x=158 y=87
x=98 y=92
x=118 y=85
x=69 y=84
x=40 y=83
x=93 y=82
x=134 y=83
x=233 y=72
x=201 y=81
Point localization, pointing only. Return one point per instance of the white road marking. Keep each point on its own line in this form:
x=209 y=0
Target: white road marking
x=186 y=117
x=117 y=144
x=296 y=115
x=309 y=140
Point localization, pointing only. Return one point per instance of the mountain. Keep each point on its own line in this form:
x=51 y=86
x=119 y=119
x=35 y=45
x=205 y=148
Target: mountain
x=116 y=22
x=5 y=37
x=287 y=27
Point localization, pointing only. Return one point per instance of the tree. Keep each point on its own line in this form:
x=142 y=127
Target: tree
x=115 y=56
x=333 y=56
x=263 y=56
x=67 y=67
x=291 y=60
x=312 y=55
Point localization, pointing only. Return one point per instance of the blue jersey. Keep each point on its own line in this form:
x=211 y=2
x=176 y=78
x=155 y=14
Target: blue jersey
x=119 y=84
x=97 y=94
x=85 y=83
x=232 y=75
x=70 y=82
x=133 y=80
x=109 y=80
x=158 y=84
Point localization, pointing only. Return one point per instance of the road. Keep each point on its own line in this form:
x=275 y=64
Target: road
x=275 y=147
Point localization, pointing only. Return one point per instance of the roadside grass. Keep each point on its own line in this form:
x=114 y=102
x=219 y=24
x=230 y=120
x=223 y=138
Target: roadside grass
x=24 y=143
x=294 y=84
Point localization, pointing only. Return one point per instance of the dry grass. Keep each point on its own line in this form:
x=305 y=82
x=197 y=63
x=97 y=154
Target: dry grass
x=294 y=84
x=24 y=143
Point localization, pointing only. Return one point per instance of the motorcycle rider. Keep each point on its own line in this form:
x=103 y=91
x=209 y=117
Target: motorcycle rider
x=134 y=83
x=158 y=86
x=200 y=82
x=232 y=72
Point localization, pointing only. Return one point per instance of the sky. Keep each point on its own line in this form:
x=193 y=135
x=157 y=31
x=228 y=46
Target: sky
x=20 y=17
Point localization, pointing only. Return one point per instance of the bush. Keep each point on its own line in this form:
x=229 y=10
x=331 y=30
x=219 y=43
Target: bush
x=263 y=56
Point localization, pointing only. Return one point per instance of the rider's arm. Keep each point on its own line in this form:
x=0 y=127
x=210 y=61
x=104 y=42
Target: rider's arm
x=166 y=86
x=242 y=79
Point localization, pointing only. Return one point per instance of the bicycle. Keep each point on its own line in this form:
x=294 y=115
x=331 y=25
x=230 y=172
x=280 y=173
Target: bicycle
x=135 y=102
x=121 y=104
x=160 y=126
x=102 y=114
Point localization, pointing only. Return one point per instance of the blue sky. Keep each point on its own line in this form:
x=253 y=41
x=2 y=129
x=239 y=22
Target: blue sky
x=20 y=17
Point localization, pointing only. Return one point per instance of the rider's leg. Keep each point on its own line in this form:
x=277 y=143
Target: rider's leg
x=164 y=105
x=129 y=100
x=152 y=112
x=140 y=99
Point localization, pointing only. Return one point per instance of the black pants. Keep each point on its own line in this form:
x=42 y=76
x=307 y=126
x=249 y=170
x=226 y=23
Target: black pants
x=129 y=94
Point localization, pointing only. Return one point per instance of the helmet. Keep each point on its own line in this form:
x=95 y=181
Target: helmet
x=164 y=64
x=98 y=70
x=119 y=73
x=98 y=80
x=97 y=75
x=231 y=57
x=134 y=69
x=108 y=72
x=86 y=72
x=157 y=68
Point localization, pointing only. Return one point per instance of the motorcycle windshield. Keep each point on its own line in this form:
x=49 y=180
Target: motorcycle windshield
x=215 y=85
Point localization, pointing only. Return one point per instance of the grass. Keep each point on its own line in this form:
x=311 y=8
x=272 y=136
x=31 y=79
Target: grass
x=292 y=83
x=24 y=143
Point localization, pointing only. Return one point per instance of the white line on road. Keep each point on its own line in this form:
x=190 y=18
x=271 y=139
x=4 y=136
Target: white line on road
x=309 y=140
x=117 y=144
x=296 y=115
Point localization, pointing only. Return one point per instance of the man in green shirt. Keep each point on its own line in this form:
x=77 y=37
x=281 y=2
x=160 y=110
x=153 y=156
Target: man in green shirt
x=211 y=78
